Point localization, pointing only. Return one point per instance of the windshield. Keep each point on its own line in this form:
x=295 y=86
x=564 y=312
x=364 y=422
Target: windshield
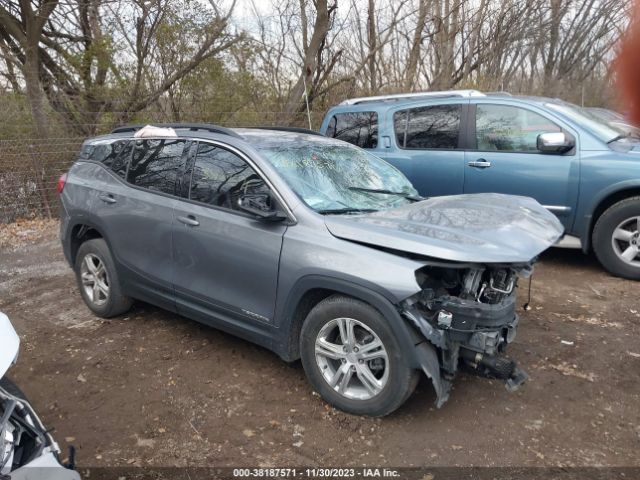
x=604 y=130
x=333 y=178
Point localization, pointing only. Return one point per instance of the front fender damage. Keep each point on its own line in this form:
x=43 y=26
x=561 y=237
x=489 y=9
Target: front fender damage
x=466 y=316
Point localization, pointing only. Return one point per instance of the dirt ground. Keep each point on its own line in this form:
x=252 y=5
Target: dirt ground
x=152 y=388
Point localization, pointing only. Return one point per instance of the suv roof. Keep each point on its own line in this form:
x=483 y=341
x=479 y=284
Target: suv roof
x=208 y=130
x=413 y=96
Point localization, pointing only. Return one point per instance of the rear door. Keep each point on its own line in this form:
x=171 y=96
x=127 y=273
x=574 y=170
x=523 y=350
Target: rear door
x=226 y=261
x=138 y=216
x=425 y=143
x=503 y=158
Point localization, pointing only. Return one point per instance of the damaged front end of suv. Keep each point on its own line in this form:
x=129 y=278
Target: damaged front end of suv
x=468 y=312
x=471 y=251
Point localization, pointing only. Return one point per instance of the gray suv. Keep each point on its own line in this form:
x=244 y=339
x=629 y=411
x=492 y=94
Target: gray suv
x=308 y=246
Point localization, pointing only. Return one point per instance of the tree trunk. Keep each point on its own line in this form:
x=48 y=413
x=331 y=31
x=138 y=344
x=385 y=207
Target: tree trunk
x=295 y=99
x=416 y=48
x=372 y=37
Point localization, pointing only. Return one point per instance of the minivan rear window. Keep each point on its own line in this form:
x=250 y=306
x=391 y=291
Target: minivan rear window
x=435 y=127
x=357 y=128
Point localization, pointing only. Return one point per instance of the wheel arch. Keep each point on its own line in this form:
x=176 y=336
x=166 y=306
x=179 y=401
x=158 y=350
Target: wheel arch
x=79 y=233
x=312 y=289
x=602 y=205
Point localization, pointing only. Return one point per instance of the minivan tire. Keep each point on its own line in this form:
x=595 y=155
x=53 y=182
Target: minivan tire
x=603 y=233
x=116 y=303
x=401 y=380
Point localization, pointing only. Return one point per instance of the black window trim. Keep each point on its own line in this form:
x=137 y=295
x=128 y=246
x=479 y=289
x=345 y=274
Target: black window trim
x=464 y=107
x=472 y=140
x=189 y=171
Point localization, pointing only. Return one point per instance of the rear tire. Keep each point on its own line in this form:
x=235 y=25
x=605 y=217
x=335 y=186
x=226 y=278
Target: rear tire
x=616 y=239
x=372 y=354
x=98 y=280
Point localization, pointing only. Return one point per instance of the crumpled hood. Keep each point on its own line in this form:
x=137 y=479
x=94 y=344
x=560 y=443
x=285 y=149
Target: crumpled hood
x=482 y=228
x=9 y=344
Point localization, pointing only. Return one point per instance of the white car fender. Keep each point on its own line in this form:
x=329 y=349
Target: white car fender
x=9 y=344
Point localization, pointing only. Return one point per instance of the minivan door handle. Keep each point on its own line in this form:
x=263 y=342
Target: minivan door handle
x=480 y=163
x=189 y=220
x=107 y=198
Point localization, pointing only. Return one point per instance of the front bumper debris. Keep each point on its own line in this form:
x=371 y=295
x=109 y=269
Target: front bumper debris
x=467 y=317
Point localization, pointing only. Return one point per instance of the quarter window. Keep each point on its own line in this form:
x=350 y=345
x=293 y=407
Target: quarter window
x=220 y=178
x=424 y=128
x=156 y=164
x=357 y=128
x=510 y=129
x=115 y=155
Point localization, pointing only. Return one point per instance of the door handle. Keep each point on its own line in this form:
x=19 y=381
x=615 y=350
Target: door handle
x=480 y=163
x=189 y=220
x=107 y=198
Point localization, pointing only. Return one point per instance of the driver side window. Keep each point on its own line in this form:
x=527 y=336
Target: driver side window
x=509 y=129
x=220 y=178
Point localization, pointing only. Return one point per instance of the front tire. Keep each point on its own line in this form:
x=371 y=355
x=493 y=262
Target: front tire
x=353 y=359
x=98 y=280
x=616 y=239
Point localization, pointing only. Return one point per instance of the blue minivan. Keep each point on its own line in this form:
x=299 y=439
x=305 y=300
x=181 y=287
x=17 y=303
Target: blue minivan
x=583 y=169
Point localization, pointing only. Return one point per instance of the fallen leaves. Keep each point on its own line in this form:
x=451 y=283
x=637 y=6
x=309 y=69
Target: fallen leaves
x=26 y=231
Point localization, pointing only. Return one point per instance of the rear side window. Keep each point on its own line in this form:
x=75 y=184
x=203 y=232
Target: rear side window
x=357 y=128
x=435 y=127
x=510 y=129
x=115 y=156
x=156 y=164
x=221 y=177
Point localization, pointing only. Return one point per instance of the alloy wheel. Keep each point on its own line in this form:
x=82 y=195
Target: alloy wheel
x=95 y=280
x=352 y=358
x=626 y=241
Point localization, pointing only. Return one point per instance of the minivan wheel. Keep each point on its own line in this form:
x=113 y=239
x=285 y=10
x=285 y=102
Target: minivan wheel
x=616 y=239
x=353 y=359
x=98 y=280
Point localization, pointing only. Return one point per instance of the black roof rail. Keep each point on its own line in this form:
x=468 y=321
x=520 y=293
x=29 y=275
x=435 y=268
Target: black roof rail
x=287 y=129
x=180 y=126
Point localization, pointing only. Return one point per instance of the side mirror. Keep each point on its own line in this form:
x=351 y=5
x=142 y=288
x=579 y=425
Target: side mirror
x=261 y=206
x=555 y=142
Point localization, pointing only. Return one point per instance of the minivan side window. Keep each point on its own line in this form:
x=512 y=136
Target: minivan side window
x=156 y=164
x=221 y=177
x=435 y=127
x=114 y=155
x=509 y=129
x=357 y=128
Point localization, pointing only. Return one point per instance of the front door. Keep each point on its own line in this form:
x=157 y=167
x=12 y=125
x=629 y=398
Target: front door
x=504 y=158
x=226 y=261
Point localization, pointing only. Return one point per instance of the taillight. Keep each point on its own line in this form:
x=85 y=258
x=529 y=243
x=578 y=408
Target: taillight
x=61 y=181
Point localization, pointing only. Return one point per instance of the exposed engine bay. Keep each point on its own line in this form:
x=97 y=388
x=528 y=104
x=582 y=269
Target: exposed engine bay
x=468 y=313
x=22 y=435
